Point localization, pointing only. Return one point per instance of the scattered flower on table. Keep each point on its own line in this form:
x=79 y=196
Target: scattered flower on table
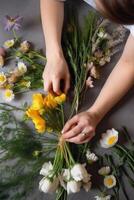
x=110 y=181
x=102 y=35
x=13 y=23
x=3 y=78
x=9 y=43
x=8 y=95
x=1 y=61
x=89 y=82
x=104 y=171
x=24 y=46
x=109 y=139
x=91 y=157
x=22 y=67
x=108 y=197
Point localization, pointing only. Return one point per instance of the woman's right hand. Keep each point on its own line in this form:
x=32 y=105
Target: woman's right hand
x=56 y=70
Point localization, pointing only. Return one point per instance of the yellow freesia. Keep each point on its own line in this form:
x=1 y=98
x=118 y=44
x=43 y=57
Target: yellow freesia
x=38 y=102
x=40 y=124
x=60 y=99
x=51 y=101
x=38 y=121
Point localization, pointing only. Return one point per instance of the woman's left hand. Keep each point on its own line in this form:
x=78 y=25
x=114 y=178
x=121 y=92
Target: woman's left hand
x=81 y=128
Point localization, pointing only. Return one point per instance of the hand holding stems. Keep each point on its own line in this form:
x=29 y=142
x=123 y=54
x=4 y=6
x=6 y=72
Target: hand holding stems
x=119 y=82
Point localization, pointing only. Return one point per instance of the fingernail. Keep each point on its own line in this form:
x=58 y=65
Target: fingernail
x=62 y=131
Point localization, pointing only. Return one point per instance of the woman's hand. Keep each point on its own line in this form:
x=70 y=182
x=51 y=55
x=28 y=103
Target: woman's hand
x=81 y=128
x=56 y=70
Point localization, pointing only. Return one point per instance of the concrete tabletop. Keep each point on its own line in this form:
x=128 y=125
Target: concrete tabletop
x=121 y=115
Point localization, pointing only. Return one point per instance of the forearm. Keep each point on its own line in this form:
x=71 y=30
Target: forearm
x=117 y=85
x=52 y=13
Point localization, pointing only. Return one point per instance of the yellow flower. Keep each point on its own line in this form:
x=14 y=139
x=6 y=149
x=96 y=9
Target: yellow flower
x=9 y=43
x=38 y=121
x=38 y=102
x=31 y=113
x=3 y=78
x=8 y=95
x=40 y=124
x=51 y=101
x=60 y=99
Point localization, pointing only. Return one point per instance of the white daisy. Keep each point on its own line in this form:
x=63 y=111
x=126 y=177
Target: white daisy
x=108 y=197
x=110 y=181
x=109 y=139
x=3 y=78
x=8 y=95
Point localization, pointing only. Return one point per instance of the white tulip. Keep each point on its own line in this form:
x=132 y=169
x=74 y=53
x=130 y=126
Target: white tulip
x=73 y=187
x=78 y=172
x=48 y=186
x=66 y=174
x=87 y=186
x=46 y=169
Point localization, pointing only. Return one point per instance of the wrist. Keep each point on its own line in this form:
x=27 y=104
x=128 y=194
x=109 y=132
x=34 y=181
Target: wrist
x=95 y=113
x=54 y=52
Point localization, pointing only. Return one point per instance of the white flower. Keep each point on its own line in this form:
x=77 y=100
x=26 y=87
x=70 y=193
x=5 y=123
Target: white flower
x=73 y=186
x=46 y=169
x=87 y=186
x=3 y=78
x=49 y=186
x=9 y=43
x=109 y=139
x=8 y=95
x=66 y=174
x=102 y=34
x=78 y=172
x=89 y=82
x=108 y=197
x=22 y=68
x=91 y=157
x=110 y=181
x=24 y=46
x=104 y=171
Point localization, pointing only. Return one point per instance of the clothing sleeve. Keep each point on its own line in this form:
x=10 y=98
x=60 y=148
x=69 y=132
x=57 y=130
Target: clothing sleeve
x=131 y=28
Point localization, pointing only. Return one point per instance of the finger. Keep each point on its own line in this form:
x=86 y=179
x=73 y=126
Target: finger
x=56 y=86
x=73 y=132
x=47 y=86
x=67 y=85
x=70 y=123
x=80 y=139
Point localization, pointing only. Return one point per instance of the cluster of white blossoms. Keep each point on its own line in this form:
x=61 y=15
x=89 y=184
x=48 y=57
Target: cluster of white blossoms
x=72 y=180
x=91 y=157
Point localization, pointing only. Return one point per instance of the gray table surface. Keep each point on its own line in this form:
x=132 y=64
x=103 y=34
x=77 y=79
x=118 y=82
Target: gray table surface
x=122 y=114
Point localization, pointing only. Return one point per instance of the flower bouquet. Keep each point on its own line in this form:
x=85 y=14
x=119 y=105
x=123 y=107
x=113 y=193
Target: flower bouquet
x=41 y=149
